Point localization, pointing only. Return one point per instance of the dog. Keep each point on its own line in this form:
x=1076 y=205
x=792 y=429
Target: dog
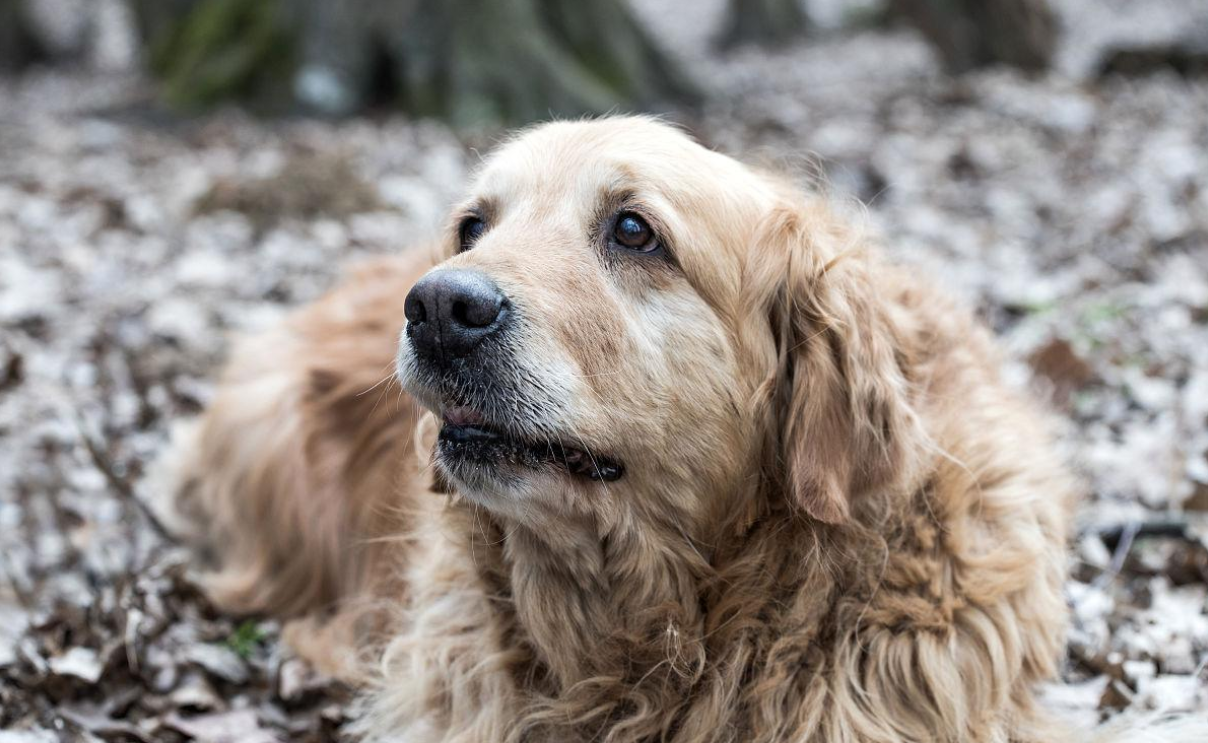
x=668 y=453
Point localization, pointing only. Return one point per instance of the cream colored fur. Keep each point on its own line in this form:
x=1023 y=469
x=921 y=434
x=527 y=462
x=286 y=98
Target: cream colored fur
x=836 y=523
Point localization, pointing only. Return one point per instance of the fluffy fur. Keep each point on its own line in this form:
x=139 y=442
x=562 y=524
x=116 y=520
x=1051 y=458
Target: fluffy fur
x=836 y=522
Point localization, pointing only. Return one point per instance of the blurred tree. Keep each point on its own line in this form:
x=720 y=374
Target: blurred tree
x=19 y=46
x=966 y=33
x=763 y=21
x=974 y=33
x=469 y=61
x=209 y=50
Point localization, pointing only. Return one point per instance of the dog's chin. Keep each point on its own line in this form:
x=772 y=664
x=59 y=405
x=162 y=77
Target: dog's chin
x=473 y=451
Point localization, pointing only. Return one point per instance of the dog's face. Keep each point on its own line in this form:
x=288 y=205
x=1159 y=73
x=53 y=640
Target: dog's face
x=597 y=341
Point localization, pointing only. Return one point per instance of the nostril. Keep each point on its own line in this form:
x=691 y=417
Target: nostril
x=476 y=311
x=414 y=309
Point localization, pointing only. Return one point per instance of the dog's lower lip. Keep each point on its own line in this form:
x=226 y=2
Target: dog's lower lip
x=466 y=433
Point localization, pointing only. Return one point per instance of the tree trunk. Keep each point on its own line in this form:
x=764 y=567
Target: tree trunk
x=205 y=51
x=770 y=22
x=974 y=33
x=472 y=62
x=19 y=46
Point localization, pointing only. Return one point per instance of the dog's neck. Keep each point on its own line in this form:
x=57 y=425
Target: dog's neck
x=590 y=604
x=646 y=605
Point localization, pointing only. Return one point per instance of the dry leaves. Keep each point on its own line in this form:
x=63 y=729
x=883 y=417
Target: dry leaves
x=1072 y=215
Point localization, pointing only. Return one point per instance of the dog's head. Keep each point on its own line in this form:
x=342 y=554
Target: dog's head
x=630 y=326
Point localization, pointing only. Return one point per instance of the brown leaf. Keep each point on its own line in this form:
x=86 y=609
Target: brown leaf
x=1116 y=696
x=1057 y=362
x=1199 y=498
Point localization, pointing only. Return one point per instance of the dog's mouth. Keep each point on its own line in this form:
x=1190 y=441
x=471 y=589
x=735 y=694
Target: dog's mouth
x=468 y=440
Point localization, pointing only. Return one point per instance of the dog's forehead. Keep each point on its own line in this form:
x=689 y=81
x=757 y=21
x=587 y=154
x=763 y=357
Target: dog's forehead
x=581 y=159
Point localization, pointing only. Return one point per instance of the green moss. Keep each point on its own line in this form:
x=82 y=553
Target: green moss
x=1103 y=312
x=225 y=49
x=476 y=64
x=1042 y=307
x=244 y=640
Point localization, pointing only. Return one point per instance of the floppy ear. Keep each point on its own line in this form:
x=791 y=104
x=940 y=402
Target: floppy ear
x=843 y=423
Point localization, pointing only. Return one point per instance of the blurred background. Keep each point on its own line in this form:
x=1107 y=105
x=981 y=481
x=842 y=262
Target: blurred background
x=173 y=171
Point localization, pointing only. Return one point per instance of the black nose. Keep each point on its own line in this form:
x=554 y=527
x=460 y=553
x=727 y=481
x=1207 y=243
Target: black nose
x=450 y=312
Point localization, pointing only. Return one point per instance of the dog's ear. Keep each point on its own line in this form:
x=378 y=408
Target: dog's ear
x=841 y=417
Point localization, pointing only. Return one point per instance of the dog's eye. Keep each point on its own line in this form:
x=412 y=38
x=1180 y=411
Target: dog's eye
x=468 y=233
x=633 y=233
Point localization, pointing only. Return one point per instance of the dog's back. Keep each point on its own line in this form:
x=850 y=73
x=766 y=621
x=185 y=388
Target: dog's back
x=294 y=481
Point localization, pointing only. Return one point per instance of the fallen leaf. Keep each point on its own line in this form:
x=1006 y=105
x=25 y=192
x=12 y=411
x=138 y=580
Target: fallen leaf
x=238 y=726
x=79 y=663
x=1065 y=370
x=219 y=661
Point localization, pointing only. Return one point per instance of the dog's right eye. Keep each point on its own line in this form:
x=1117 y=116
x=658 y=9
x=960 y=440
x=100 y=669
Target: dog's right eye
x=631 y=232
x=468 y=233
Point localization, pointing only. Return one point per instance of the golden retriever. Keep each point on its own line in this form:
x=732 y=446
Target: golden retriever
x=703 y=468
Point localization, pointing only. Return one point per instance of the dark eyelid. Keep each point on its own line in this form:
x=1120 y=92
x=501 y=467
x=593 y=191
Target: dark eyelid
x=485 y=209
x=465 y=240
x=477 y=210
x=474 y=211
x=629 y=203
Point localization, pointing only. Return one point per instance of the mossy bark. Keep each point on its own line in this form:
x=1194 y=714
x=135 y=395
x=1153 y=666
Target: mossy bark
x=472 y=62
x=208 y=51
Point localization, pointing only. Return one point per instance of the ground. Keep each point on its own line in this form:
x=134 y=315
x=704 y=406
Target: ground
x=1069 y=209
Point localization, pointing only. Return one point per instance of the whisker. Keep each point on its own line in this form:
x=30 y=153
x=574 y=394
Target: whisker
x=384 y=380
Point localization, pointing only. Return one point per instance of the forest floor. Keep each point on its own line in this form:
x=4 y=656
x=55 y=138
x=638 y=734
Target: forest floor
x=1069 y=209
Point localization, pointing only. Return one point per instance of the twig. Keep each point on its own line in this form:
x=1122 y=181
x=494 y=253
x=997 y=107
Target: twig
x=1124 y=542
x=1171 y=526
x=24 y=597
x=119 y=484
